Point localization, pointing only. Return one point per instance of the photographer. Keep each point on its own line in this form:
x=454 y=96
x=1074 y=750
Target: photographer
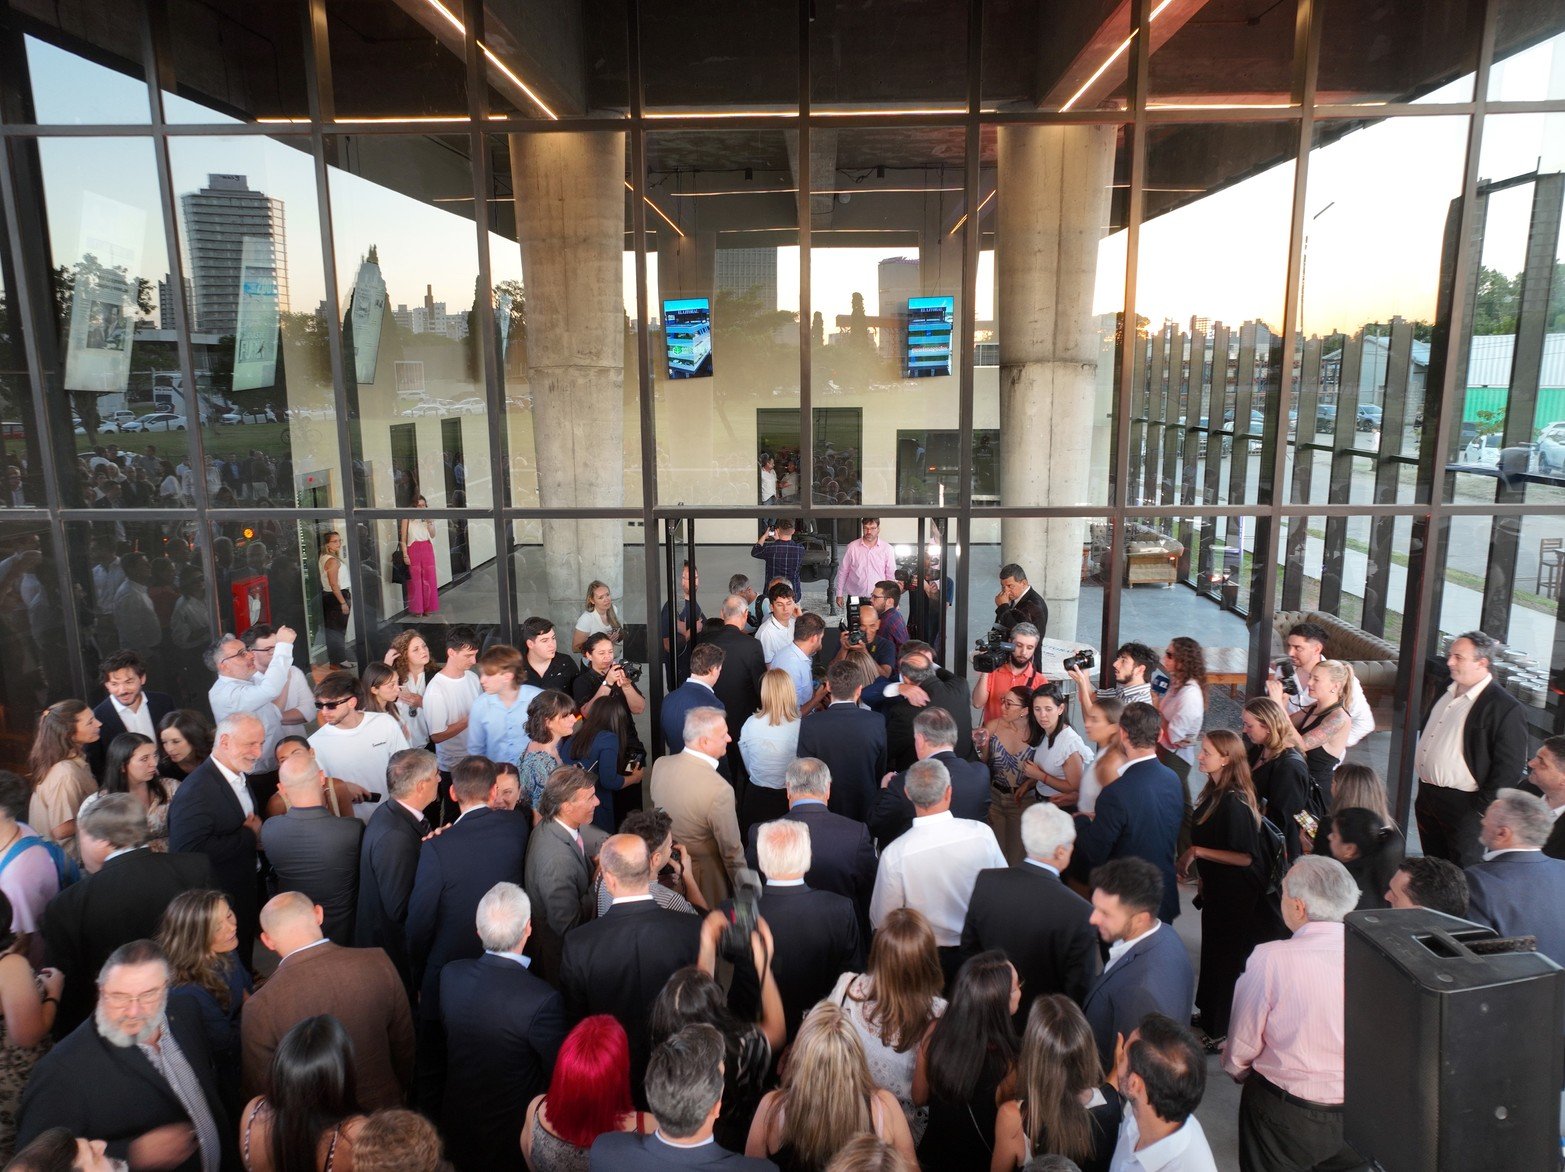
x=600 y=675
x=868 y=636
x=1019 y=672
x=886 y=599
x=782 y=556
x=1290 y=687
x=1133 y=666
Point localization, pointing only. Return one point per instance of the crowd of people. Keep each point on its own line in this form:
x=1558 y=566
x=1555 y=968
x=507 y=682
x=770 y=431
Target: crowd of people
x=860 y=914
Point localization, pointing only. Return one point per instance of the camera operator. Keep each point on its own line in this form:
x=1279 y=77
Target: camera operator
x=600 y=675
x=868 y=635
x=1020 y=672
x=1306 y=645
x=1133 y=666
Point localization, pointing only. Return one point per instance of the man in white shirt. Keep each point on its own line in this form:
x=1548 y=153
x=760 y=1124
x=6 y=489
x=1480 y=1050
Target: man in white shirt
x=1162 y=1073
x=932 y=868
x=1546 y=776
x=776 y=629
x=351 y=745
x=236 y=689
x=296 y=706
x=1306 y=646
x=448 y=698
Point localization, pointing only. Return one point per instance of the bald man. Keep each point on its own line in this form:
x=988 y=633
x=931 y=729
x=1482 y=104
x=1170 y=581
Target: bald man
x=619 y=962
x=312 y=850
x=358 y=986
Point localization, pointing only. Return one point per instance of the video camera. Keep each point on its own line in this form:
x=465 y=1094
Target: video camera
x=993 y=651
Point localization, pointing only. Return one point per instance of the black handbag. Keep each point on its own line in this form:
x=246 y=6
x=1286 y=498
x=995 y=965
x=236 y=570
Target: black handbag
x=399 y=568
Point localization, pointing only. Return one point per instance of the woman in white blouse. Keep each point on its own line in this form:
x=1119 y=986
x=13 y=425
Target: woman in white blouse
x=1058 y=753
x=769 y=743
x=1183 y=706
x=417 y=539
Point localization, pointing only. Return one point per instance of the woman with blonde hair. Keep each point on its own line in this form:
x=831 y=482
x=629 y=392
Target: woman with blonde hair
x=826 y=1099
x=1064 y=1105
x=62 y=779
x=200 y=936
x=1278 y=771
x=1227 y=855
x=868 y=1153
x=1324 y=727
x=1358 y=787
x=769 y=742
x=893 y=1003
x=598 y=615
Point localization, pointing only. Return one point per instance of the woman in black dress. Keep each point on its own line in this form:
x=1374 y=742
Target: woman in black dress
x=1064 y=1104
x=1370 y=850
x=1226 y=855
x=967 y=1066
x=1280 y=777
x=1324 y=727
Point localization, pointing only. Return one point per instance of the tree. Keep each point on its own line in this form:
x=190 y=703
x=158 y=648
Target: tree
x=817 y=331
x=1494 y=308
x=858 y=324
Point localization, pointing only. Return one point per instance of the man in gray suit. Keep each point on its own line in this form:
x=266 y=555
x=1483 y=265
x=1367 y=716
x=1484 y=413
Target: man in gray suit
x=560 y=855
x=314 y=851
x=1518 y=890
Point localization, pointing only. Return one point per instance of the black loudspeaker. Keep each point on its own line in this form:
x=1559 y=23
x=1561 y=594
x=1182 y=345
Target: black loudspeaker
x=1454 y=1053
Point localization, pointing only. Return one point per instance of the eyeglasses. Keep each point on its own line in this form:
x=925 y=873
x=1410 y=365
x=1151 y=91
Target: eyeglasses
x=1011 y=704
x=141 y=1000
x=331 y=704
x=241 y=652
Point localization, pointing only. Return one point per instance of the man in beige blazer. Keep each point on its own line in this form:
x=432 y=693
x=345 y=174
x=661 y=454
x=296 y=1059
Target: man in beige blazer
x=687 y=786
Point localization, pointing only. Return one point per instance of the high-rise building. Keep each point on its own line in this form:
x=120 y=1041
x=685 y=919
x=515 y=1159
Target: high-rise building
x=219 y=220
x=748 y=272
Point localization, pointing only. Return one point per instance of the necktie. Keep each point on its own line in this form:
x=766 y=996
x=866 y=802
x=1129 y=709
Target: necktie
x=423 y=826
x=580 y=846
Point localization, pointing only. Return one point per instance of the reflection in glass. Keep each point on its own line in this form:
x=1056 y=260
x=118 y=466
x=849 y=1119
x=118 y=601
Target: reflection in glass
x=1076 y=57
x=1528 y=39
x=854 y=69
x=32 y=635
x=730 y=57
x=21 y=473
x=1197 y=53
x=68 y=88
x=396 y=60
x=460 y=587
x=234 y=61
x=1370 y=54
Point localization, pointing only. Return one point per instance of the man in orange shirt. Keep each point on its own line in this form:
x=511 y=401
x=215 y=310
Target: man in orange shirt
x=1018 y=673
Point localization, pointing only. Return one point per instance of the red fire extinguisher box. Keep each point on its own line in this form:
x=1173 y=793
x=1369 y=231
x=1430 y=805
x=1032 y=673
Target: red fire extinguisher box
x=252 y=599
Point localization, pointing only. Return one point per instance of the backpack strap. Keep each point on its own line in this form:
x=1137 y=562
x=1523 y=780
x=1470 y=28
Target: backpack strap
x=18 y=847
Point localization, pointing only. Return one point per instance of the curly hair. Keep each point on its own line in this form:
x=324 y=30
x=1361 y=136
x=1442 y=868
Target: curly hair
x=400 y=645
x=1189 y=662
x=55 y=740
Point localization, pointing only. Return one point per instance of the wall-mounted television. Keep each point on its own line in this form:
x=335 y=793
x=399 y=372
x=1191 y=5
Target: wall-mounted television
x=930 y=321
x=687 y=336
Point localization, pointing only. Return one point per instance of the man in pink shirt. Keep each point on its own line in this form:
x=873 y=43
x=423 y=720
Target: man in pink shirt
x=1285 y=1037
x=865 y=562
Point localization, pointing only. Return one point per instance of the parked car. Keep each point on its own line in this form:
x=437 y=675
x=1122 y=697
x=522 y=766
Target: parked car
x=160 y=421
x=265 y=415
x=1484 y=450
x=1325 y=417
x=1369 y=417
x=470 y=406
x=1551 y=448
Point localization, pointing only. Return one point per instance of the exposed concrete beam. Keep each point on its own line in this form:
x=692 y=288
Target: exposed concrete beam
x=1099 y=68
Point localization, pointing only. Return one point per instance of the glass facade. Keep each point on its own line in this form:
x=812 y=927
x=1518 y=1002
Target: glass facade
x=1209 y=323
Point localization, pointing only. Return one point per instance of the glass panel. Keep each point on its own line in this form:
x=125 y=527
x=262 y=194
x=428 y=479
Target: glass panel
x=572 y=362
x=1051 y=283
x=1070 y=57
x=32 y=636
x=1348 y=575
x=21 y=469
x=1205 y=57
x=250 y=236
x=118 y=386
x=1209 y=292
x=557 y=62
x=407 y=278
x=1527 y=44
x=69 y=88
x=1064 y=559
x=416 y=48
x=235 y=61
x=724 y=57
x=1371 y=54
x=723 y=299
x=886 y=287
x=855 y=68
x=465 y=589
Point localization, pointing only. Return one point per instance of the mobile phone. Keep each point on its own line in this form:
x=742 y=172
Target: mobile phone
x=634 y=759
x=1307 y=822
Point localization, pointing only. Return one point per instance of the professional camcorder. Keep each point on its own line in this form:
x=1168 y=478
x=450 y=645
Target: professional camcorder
x=993 y=651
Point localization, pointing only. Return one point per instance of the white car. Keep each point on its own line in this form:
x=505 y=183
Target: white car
x=265 y=415
x=1484 y=450
x=470 y=406
x=1551 y=449
x=160 y=421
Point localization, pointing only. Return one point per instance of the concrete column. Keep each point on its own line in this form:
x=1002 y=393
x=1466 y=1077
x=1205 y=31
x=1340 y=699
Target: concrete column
x=1054 y=184
x=570 y=220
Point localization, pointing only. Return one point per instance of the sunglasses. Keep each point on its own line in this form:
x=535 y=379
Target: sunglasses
x=330 y=704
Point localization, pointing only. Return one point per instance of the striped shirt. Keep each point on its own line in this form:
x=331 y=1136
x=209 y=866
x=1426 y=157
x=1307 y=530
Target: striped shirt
x=1287 y=1021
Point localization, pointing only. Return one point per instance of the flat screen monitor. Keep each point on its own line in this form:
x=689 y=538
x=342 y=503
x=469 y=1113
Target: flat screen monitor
x=687 y=335
x=929 y=324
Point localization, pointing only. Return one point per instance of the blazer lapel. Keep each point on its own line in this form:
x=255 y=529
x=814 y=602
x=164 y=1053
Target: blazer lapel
x=579 y=857
x=132 y=1061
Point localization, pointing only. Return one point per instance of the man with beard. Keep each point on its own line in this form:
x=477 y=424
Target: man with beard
x=992 y=687
x=138 y=1075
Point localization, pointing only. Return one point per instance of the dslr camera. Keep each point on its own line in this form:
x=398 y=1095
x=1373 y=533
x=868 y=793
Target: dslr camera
x=850 y=620
x=1083 y=660
x=632 y=671
x=993 y=651
x=1288 y=676
x=735 y=943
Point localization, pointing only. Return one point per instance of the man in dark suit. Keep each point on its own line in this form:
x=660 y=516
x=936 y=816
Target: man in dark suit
x=1027 y=912
x=699 y=691
x=842 y=855
x=312 y=850
x=934 y=734
x=1518 y=890
x=738 y=684
x=1018 y=602
x=815 y=934
x=619 y=962
x=357 y=986
x=213 y=814
x=99 y=1084
x=129 y=707
x=851 y=740
x=560 y=855
x=1546 y=778
x=388 y=857
x=921 y=685
x=685 y=1092
x=120 y=899
x=1473 y=742
x=503 y=1027
x=481 y=848
x=1148 y=968
x=1143 y=811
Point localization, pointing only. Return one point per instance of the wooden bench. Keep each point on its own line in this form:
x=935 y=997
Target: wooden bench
x=1228 y=666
